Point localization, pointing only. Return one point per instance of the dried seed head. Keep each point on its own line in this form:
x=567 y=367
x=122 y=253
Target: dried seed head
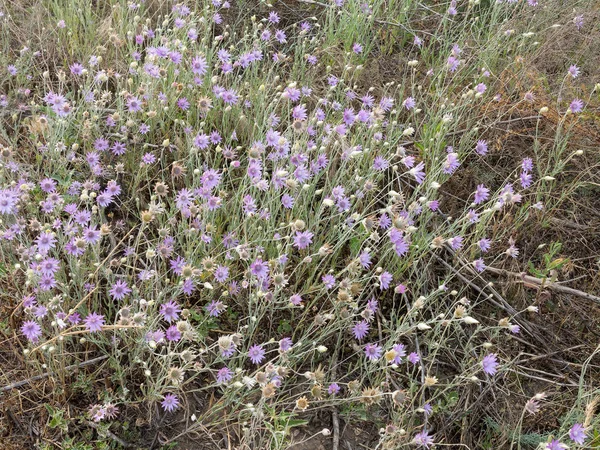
x=370 y=396
x=302 y=403
x=398 y=397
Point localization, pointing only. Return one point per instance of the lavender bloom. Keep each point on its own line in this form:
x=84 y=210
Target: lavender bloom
x=409 y=103
x=573 y=71
x=456 y=242
x=215 y=308
x=414 y=358
x=221 y=274
x=526 y=179
x=285 y=344
x=481 y=148
x=490 y=364
x=384 y=280
x=173 y=334
x=479 y=265
x=119 y=290
x=555 y=444
x=423 y=439
x=170 y=403
x=484 y=244
x=94 y=322
x=577 y=433
x=224 y=375
x=576 y=106
x=256 y=354
x=259 y=269
x=360 y=330
x=400 y=350
x=481 y=194
x=45 y=242
x=31 y=330
x=451 y=163
x=373 y=352
x=328 y=281
x=170 y=311
x=333 y=389
x=303 y=239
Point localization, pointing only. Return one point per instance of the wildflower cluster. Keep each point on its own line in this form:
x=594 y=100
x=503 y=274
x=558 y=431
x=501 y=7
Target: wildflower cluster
x=240 y=214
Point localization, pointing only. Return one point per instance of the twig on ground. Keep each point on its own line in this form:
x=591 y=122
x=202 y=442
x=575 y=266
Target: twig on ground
x=335 y=420
x=47 y=374
x=540 y=283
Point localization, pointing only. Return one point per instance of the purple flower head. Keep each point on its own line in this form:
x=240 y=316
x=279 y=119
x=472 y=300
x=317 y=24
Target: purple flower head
x=215 y=308
x=484 y=244
x=526 y=179
x=260 y=269
x=481 y=148
x=119 y=290
x=333 y=389
x=422 y=439
x=400 y=350
x=303 y=239
x=555 y=444
x=170 y=311
x=384 y=280
x=221 y=274
x=576 y=106
x=173 y=334
x=360 y=330
x=256 y=354
x=94 y=322
x=414 y=358
x=285 y=344
x=224 y=375
x=170 y=403
x=490 y=364
x=380 y=163
x=409 y=103
x=456 y=242
x=451 y=163
x=573 y=71
x=577 y=434
x=45 y=242
x=328 y=281
x=31 y=330
x=373 y=352
x=479 y=265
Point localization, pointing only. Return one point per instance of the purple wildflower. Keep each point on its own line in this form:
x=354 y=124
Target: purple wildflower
x=93 y=322
x=256 y=354
x=119 y=290
x=170 y=311
x=384 y=280
x=577 y=434
x=360 y=330
x=573 y=71
x=303 y=239
x=490 y=364
x=224 y=374
x=555 y=444
x=576 y=106
x=373 y=352
x=422 y=439
x=173 y=334
x=328 y=281
x=31 y=330
x=481 y=148
x=170 y=403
